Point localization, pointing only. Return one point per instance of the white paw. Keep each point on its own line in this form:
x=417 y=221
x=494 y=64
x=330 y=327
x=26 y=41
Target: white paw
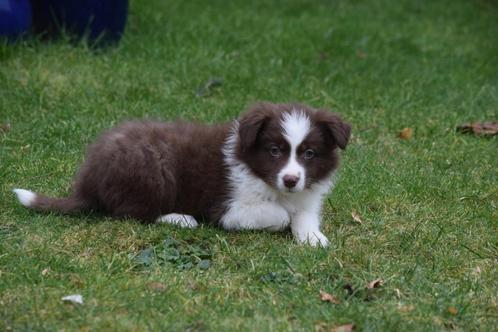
x=314 y=239
x=181 y=220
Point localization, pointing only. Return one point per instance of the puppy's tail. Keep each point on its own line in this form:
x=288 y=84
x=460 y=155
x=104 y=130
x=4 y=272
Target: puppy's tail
x=42 y=203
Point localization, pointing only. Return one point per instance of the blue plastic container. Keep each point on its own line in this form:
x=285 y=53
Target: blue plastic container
x=101 y=21
x=15 y=18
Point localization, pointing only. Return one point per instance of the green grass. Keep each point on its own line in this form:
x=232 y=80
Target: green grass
x=428 y=204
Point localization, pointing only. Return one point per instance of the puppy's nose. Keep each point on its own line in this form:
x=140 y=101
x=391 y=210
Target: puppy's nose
x=290 y=181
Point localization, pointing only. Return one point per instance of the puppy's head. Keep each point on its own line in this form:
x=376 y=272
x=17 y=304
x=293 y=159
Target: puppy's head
x=291 y=146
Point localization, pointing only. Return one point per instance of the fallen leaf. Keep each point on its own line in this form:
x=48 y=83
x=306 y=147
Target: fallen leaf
x=321 y=326
x=343 y=328
x=156 y=286
x=453 y=310
x=361 y=54
x=398 y=293
x=5 y=127
x=375 y=283
x=406 y=308
x=479 y=128
x=322 y=56
x=76 y=280
x=356 y=217
x=193 y=286
x=326 y=297
x=75 y=299
x=45 y=271
x=406 y=133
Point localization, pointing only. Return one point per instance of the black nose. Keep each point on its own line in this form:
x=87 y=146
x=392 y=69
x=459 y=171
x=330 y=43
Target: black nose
x=290 y=181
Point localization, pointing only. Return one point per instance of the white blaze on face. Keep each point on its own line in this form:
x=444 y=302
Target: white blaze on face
x=296 y=126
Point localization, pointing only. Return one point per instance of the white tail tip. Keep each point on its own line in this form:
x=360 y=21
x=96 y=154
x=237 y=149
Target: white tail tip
x=26 y=197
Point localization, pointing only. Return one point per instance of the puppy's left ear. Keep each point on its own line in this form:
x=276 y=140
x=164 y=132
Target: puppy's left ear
x=252 y=122
x=338 y=129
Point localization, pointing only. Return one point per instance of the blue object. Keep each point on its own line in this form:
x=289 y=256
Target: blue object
x=15 y=18
x=101 y=21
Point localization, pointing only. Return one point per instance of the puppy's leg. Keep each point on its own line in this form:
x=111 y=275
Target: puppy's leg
x=305 y=227
x=264 y=216
x=182 y=220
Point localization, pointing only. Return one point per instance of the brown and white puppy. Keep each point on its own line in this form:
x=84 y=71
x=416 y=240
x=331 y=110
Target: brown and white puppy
x=270 y=169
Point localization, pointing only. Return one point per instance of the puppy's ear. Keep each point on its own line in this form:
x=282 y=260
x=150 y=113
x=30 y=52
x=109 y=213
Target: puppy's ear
x=252 y=122
x=338 y=129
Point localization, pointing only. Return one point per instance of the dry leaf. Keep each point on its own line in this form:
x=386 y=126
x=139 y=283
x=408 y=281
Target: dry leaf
x=5 y=127
x=326 y=297
x=356 y=217
x=156 y=286
x=406 y=308
x=398 y=293
x=374 y=284
x=76 y=280
x=479 y=128
x=322 y=56
x=193 y=286
x=453 y=310
x=343 y=328
x=361 y=54
x=406 y=133
x=45 y=271
x=321 y=326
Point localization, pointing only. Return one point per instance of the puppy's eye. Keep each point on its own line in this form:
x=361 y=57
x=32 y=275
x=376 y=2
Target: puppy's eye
x=309 y=154
x=275 y=151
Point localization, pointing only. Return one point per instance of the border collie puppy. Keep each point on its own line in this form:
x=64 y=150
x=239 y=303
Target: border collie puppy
x=270 y=169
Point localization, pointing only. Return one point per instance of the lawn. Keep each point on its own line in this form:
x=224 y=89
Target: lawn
x=427 y=204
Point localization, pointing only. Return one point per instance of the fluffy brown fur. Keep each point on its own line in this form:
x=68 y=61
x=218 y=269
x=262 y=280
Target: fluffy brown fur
x=138 y=169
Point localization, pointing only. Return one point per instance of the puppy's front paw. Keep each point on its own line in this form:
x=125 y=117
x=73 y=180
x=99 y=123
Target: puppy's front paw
x=314 y=239
x=182 y=220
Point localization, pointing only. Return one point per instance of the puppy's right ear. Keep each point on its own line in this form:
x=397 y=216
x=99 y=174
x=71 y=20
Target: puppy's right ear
x=252 y=122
